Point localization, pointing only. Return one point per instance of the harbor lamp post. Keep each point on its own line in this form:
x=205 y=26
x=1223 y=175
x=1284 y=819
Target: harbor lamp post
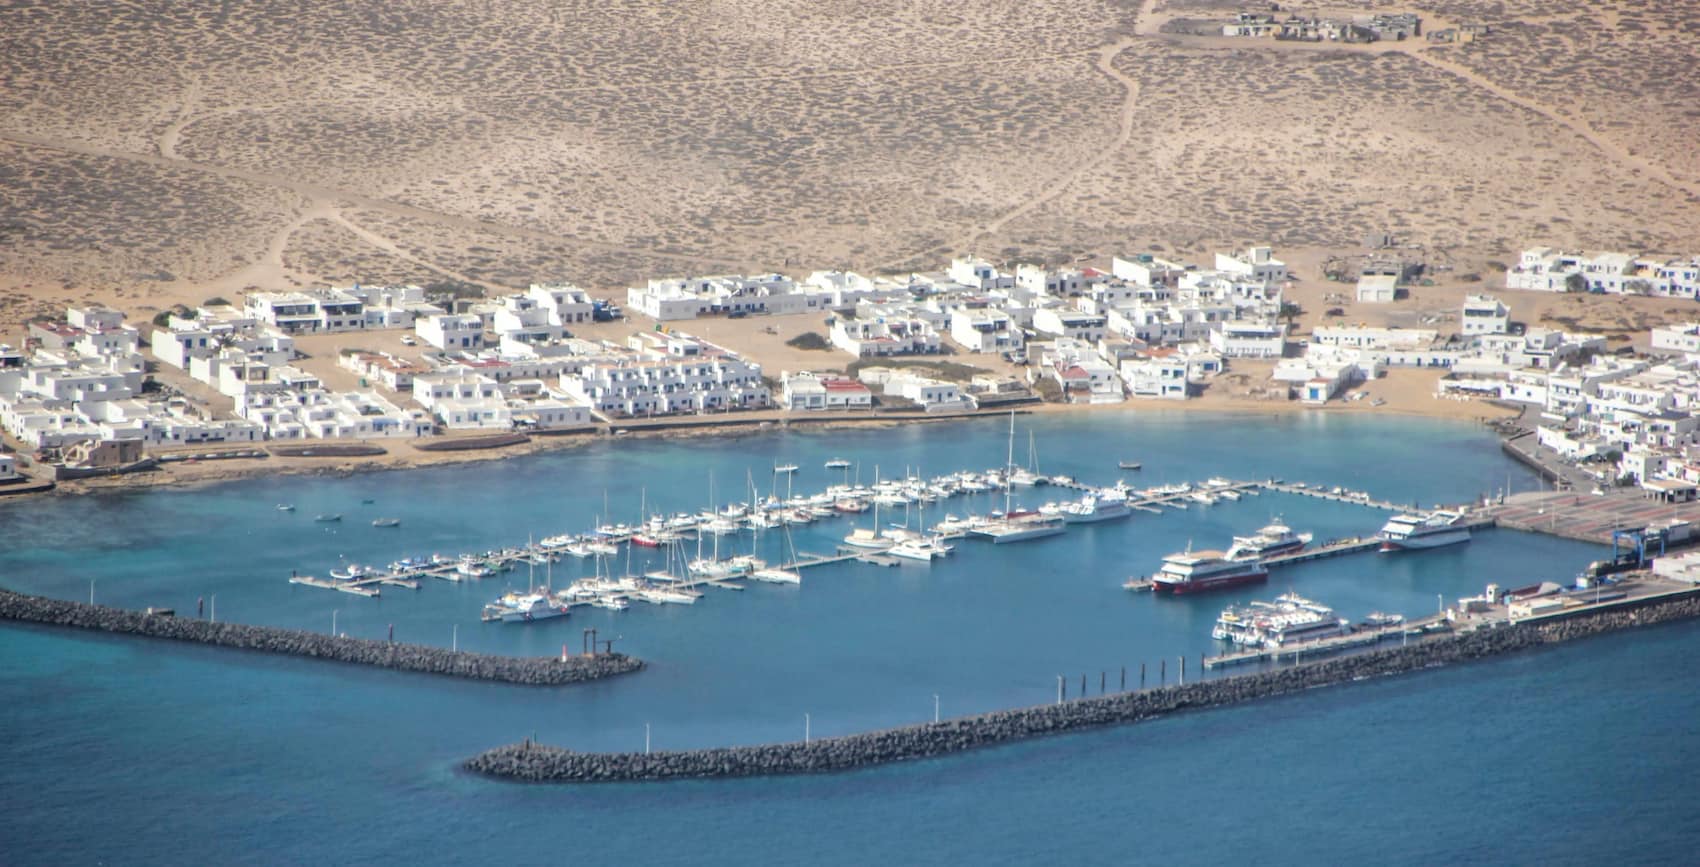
x=935 y=707
x=805 y=729
x=333 y=621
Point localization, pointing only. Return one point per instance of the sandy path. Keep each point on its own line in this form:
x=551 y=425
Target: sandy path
x=173 y=131
x=1611 y=149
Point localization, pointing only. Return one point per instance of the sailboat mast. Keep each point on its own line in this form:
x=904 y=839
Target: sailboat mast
x=1009 y=467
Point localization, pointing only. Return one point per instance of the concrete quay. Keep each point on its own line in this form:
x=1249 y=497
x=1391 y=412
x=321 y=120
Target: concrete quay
x=530 y=671
x=530 y=762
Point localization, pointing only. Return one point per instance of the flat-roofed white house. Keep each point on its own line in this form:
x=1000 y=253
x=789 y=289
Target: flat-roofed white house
x=984 y=329
x=452 y=331
x=1484 y=314
x=1255 y=262
x=1378 y=288
x=1248 y=339
x=1681 y=338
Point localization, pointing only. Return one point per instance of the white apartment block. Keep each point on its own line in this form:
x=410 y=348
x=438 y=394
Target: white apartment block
x=1544 y=269
x=318 y=414
x=675 y=299
x=695 y=379
x=931 y=395
x=978 y=274
x=311 y=312
x=1247 y=339
x=985 y=329
x=1161 y=377
x=1074 y=324
x=524 y=319
x=812 y=391
x=1484 y=314
x=452 y=331
x=565 y=303
x=1683 y=338
x=885 y=336
x=1257 y=263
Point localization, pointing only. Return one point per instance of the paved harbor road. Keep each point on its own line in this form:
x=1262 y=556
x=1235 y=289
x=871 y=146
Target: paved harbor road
x=1589 y=517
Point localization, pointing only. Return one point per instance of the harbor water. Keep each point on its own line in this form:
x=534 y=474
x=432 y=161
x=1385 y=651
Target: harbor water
x=198 y=753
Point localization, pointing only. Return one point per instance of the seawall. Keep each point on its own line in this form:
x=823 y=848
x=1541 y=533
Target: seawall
x=532 y=671
x=530 y=762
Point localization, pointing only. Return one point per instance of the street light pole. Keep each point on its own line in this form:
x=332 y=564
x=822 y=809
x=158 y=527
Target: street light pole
x=333 y=621
x=805 y=729
x=935 y=707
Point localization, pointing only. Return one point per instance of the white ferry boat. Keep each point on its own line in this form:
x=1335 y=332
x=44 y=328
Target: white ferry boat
x=1433 y=530
x=1272 y=541
x=1290 y=619
x=1202 y=571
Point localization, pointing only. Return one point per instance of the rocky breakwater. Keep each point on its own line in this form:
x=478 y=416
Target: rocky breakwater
x=534 y=671
x=532 y=762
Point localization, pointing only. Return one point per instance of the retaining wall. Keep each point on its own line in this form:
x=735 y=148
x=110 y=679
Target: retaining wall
x=536 y=763
x=535 y=671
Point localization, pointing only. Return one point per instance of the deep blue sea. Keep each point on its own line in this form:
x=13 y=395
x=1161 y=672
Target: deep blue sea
x=129 y=751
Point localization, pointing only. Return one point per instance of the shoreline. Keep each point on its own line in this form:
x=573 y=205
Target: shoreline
x=187 y=473
x=529 y=762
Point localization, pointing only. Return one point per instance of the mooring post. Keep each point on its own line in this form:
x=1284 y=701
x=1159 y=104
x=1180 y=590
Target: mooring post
x=1061 y=689
x=1142 y=675
x=392 y=633
x=1102 y=675
x=1124 y=679
x=1163 y=670
x=1083 y=684
x=1182 y=679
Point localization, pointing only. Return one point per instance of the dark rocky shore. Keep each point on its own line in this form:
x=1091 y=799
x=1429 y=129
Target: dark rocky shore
x=536 y=763
x=534 y=671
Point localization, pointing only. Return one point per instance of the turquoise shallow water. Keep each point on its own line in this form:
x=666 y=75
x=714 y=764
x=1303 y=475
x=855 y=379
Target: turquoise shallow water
x=188 y=753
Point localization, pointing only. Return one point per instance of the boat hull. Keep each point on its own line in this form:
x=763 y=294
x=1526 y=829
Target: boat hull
x=1427 y=540
x=1206 y=585
x=1095 y=517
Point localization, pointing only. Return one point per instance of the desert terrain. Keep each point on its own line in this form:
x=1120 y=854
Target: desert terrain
x=154 y=153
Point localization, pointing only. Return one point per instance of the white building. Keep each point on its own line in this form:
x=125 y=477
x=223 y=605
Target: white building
x=893 y=334
x=813 y=391
x=8 y=467
x=1074 y=324
x=978 y=273
x=311 y=312
x=1258 y=263
x=452 y=331
x=984 y=329
x=1544 y=269
x=1484 y=314
x=1247 y=339
x=565 y=303
x=1160 y=376
x=1378 y=288
x=1683 y=338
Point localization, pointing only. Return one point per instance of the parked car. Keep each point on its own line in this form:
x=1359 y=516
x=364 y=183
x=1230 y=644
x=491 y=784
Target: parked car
x=409 y=340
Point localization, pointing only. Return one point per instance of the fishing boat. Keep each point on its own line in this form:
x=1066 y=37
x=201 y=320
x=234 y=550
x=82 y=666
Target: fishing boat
x=386 y=522
x=1129 y=465
x=286 y=507
x=612 y=603
x=354 y=572
x=838 y=464
x=785 y=468
x=522 y=608
x=327 y=519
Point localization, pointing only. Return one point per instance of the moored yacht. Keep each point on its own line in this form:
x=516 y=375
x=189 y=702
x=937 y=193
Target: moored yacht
x=522 y=608
x=1103 y=506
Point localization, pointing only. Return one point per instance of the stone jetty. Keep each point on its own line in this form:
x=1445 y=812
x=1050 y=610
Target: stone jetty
x=531 y=671
x=531 y=762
